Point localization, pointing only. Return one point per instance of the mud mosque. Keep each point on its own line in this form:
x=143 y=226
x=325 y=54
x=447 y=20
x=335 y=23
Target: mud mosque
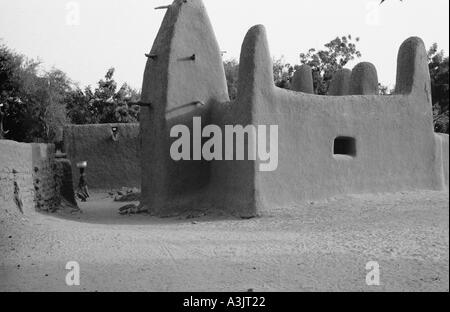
x=352 y=141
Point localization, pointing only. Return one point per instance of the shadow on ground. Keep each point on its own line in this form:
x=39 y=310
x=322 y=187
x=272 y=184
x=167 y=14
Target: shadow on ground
x=102 y=209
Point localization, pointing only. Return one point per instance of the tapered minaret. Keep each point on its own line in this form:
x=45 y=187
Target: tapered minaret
x=184 y=78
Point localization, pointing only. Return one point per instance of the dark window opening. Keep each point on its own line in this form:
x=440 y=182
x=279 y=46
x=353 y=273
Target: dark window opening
x=345 y=146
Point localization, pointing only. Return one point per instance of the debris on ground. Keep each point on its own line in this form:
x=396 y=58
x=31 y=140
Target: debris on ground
x=127 y=195
x=131 y=209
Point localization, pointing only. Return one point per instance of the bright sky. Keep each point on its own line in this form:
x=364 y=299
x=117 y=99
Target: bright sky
x=117 y=33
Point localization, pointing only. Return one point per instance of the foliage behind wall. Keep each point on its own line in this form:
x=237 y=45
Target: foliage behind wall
x=36 y=104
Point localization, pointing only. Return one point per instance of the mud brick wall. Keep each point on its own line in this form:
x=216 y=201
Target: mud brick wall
x=16 y=177
x=112 y=163
x=442 y=157
x=30 y=177
x=46 y=179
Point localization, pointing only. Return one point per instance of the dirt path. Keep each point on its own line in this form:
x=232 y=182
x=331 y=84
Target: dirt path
x=320 y=246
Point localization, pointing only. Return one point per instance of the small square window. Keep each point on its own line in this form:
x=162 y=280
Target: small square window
x=345 y=146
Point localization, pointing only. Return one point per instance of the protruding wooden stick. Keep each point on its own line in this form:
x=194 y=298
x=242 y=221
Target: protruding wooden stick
x=142 y=104
x=151 y=56
x=195 y=103
x=163 y=7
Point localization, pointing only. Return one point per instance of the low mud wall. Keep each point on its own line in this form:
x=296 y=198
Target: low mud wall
x=16 y=177
x=112 y=161
x=30 y=178
x=442 y=157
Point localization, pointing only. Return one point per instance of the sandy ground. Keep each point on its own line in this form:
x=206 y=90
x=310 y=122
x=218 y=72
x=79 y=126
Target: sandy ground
x=318 y=246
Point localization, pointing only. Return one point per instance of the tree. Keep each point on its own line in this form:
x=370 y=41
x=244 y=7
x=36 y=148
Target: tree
x=104 y=104
x=282 y=73
x=438 y=65
x=32 y=103
x=325 y=63
x=10 y=64
x=36 y=104
x=232 y=73
x=384 y=90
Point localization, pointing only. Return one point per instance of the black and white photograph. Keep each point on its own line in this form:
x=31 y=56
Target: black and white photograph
x=224 y=151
